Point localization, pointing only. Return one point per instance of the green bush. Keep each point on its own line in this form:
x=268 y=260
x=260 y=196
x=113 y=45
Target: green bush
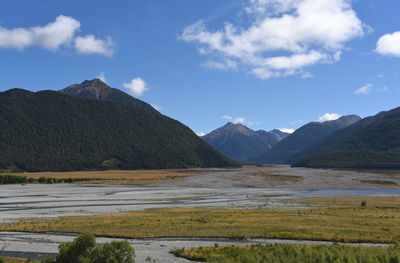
x=85 y=250
x=12 y=179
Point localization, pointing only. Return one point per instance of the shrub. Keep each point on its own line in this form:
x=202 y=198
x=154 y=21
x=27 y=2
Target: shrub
x=85 y=250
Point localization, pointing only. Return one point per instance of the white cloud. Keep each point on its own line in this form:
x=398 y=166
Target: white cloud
x=102 y=77
x=136 y=87
x=157 y=107
x=389 y=44
x=305 y=32
x=239 y=120
x=90 y=45
x=364 y=90
x=54 y=35
x=200 y=134
x=329 y=117
x=50 y=36
x=250 y=123
x=287 y=130
x=226 y=117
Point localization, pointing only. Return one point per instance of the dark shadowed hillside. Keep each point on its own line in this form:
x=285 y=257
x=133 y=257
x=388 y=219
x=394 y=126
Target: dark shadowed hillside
x=240 y=143
x=374 y=142
x=50 y=131
x=287 y=150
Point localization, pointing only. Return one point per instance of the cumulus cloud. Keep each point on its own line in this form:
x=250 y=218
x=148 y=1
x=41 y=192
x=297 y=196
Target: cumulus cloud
x=102 y=77
x=287 y=130
x=91 y=45
x=389 y=44
x=200 y=134
x=136 y=87
x=305 y=32
x=52 y=36
x=364 y=90
x=329 y=117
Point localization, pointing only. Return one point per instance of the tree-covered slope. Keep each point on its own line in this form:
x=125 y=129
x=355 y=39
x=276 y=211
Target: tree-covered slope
x=50 y=131
x=375 y=145
x=240 y=143
x=287 y=150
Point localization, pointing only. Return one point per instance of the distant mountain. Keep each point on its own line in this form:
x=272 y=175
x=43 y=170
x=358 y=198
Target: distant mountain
x=240 y=143
x=50 y=131
x=287 y=150
x=98 y=90
x=373 y=142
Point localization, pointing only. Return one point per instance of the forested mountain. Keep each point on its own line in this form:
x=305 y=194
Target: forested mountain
x=50 y=131
x=373 y=142
x=98 y=90
x=287 y=150
x=240 y=143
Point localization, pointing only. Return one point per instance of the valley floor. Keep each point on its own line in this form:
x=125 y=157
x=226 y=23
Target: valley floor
x=316 y=204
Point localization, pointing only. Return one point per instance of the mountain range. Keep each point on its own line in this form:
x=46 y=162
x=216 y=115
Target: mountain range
x=241 y=143
x=373 y=142
x=288 y=150
x=94 y=127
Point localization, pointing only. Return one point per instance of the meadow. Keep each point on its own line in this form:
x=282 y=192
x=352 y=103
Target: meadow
x=343 y=219
x=291 y=253
x=110 y=176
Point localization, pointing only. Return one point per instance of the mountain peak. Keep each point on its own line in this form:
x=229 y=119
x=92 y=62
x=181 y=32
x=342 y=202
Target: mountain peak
x=94 y=83
x=98 y=90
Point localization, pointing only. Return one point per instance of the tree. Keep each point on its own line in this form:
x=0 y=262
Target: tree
x=85 y=250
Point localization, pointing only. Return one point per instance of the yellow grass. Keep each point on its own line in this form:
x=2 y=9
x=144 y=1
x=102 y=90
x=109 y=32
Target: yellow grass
x=116 y=176
x=18 y=260
x=340 y=219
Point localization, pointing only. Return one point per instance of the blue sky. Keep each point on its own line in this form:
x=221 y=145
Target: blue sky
x=266 y=63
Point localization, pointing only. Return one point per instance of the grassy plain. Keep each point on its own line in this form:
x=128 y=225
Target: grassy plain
x=116 y=176
x=18 y=260
x=335 y=219
x=290 y=253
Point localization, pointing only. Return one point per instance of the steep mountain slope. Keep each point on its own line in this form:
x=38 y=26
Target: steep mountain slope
x=287 y=150
x=97 y=89
x=340 y=135
x=50 y=131
x=240 y=143
x=373 y=143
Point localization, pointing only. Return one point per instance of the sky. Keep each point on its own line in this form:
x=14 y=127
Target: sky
x=264 y=63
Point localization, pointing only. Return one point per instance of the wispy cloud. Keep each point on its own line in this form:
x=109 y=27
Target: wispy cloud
x=102 y=77
x=288 y=27
x=364 y=90
x=157 y=107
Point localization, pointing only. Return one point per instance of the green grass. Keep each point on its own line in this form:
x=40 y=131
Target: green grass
x=291 y=254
